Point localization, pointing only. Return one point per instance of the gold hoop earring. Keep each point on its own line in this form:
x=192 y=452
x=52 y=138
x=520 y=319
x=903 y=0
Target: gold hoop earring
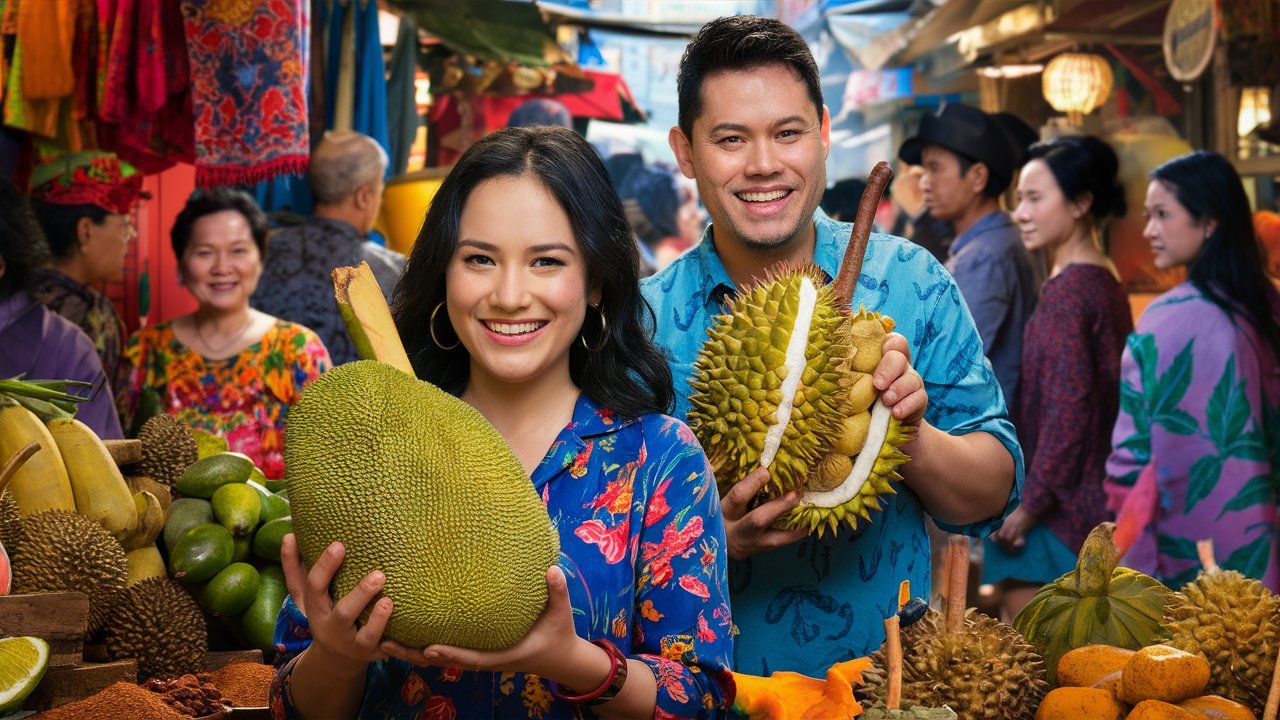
x=431 y=326
x=604 y=333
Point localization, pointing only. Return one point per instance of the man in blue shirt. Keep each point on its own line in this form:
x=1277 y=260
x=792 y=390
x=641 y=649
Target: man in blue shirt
x=754 y=134
x=969 y=158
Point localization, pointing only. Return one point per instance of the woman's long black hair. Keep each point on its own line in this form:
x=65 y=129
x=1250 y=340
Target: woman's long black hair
x=1229 y=270
x=629 y=374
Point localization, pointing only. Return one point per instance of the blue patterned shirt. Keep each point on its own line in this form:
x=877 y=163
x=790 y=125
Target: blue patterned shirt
x=642 y=547
x=809 y=605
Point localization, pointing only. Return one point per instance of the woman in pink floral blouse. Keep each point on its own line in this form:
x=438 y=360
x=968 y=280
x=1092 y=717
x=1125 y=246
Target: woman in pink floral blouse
x=225 y=368
x=521 y=297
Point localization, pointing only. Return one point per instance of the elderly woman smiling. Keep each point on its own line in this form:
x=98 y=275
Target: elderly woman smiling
x=225 y=368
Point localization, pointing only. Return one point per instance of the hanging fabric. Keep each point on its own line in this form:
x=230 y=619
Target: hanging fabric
x=249 y=95
x=402 y=107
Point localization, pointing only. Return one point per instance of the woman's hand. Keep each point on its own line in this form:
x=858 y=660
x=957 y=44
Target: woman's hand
x=1012 y=535
x=540 y=652
x=902 y=388
x=333 y=625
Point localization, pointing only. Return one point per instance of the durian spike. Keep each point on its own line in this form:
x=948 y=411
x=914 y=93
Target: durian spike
x=1204 y=549
x=893 y=651
x=957 y=581
x=1273 y=696
x=846 y=280
x=368 y=319
x=16 y=462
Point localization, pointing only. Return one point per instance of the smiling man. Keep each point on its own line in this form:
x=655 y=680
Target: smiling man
x=754 y=134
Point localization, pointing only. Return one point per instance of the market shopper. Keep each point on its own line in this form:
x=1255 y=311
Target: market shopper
x=1070 y=366
x=539 y=325
x=83 y=202
x=969 y=158
x=345 y=174
x=754 y=134
x=1200 y=386
x=225 y=368
x=36 y=342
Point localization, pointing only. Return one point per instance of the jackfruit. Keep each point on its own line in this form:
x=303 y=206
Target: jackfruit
x=64 y=550
x=417 y=484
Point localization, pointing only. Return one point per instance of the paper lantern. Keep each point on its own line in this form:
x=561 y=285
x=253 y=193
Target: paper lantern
x=1077 y=84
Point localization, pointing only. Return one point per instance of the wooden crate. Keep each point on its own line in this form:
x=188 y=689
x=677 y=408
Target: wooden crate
x=58 y=618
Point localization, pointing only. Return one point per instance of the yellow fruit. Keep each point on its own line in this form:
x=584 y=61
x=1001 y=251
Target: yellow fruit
x=144 y=562
x=1160 y=672
x=41 y=483
x=101 y=494
x=150 y=521
x=23 y=661
x=417 y=484
x=1086 y=665
x=1076 y=703
x=1217 y=707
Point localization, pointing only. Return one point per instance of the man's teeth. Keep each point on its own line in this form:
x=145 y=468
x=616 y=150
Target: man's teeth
x=763 y=196
x=513 y=328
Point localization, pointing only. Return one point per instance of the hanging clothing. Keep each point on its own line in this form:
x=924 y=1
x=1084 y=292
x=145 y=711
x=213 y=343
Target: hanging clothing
x=249 y=88
x=402 y=108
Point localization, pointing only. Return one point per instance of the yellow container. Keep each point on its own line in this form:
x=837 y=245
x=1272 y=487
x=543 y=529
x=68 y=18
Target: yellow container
x=404 y=205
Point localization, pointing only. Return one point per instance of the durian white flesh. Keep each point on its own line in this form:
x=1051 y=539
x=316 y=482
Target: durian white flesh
x=863 y=464
x=795 y=363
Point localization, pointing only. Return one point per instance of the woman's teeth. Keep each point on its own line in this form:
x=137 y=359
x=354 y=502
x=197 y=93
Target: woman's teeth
x=513 y=328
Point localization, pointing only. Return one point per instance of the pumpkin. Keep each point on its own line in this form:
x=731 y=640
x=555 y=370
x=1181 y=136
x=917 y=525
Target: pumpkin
x=785 y=695
x=1073 y=703
x=1097 y=603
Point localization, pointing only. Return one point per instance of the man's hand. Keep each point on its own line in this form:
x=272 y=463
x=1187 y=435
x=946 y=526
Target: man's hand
x=749 y=532
x=902 y=388
x=1012 y=534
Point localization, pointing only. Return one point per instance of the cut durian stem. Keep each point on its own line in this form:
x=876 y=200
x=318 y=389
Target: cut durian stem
x=851 y=267
x=795 y=363
x=862 y=466
x=957 y=582
x=1273 y=695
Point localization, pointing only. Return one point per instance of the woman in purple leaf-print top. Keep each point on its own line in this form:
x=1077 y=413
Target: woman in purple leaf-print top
x=521 y=297
x=1200 y=386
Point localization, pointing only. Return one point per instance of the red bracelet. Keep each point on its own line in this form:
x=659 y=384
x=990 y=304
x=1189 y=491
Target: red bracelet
x=611 y=686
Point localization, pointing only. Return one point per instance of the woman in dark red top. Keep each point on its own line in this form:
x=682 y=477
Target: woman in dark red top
x=1071 y=366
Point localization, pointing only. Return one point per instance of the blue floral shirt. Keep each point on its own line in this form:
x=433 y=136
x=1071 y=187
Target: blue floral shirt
x=804 y=607
x=642 y=547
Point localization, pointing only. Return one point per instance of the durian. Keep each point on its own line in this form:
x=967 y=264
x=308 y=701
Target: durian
x=160 y=625
x=974 y=664
x=168 y=449
x=783 y=382
x=1097 y=603
x=1233 y=621
x=64 y=550
x=10 y=522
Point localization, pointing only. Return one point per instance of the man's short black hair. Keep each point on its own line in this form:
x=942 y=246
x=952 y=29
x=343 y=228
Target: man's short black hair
x=741 y=42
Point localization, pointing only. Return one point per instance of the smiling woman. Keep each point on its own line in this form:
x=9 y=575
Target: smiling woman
x=521 y=297
x=226 y=368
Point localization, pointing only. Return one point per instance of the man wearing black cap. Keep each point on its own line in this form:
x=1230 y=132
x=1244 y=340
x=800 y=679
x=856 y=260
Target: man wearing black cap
x=969 y=158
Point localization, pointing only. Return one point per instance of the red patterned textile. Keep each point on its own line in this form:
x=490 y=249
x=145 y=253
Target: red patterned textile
x=249 y=88
x=88 y=178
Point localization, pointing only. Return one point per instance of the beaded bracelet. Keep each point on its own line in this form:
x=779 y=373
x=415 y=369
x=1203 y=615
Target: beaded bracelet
x=611 y=686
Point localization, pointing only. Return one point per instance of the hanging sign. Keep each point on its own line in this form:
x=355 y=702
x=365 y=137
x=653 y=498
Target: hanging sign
x=1190 y=35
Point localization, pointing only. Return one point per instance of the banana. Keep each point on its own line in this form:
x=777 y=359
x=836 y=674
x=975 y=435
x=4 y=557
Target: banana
x=139 y=483
x=42 y=483
x=150 y=521
x=100 y=491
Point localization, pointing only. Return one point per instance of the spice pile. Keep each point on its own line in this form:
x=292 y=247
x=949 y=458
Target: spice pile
x=244 y=684
x=189 y=695
x=120 y=700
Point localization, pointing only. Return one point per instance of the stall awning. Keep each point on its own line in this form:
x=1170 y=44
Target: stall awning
x=504 y=30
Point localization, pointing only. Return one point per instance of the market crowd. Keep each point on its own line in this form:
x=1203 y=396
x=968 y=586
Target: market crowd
x=1040 y=408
